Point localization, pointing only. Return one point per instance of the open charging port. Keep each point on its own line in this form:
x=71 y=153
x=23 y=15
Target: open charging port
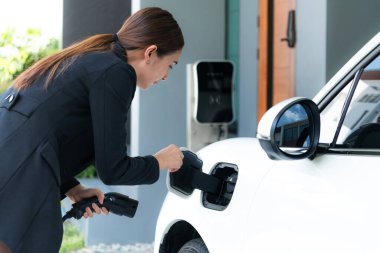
x=228 y=174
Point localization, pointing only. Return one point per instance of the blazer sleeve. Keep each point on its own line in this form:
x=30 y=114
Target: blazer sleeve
x=67 y=185
x=110 y=97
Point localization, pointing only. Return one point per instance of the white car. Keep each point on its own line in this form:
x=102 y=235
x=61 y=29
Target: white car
x=309 y=182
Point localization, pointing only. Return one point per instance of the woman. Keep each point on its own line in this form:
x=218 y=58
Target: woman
x=70 y=110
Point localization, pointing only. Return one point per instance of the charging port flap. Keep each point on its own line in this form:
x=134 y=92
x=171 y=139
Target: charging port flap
x=217 y=188
x=227 y=173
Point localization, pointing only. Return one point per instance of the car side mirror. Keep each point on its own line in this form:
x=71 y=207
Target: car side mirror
x=290 y=129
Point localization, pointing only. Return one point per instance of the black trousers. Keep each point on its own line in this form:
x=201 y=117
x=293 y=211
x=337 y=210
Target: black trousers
x=30 y=211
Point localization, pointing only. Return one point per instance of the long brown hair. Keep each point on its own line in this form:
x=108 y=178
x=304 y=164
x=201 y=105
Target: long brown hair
x=148 y=26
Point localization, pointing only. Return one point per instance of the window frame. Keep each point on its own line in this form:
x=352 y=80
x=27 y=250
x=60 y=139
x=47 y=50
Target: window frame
x=329 y=148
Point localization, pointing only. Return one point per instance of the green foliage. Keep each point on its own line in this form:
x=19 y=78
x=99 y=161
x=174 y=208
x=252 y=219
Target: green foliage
x=3 y=87
x=18 y=52
x=72 y=239
x=89 y=172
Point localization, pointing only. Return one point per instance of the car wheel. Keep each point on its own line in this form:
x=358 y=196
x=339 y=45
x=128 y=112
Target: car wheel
x=194 y=246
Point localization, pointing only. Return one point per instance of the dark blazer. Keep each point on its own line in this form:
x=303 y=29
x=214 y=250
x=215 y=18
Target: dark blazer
x=49 y=135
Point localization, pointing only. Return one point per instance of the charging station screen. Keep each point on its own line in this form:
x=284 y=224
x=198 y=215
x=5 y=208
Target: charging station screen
x=214 y=92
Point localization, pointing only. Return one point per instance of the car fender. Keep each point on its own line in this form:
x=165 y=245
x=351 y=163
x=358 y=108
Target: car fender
x=253 y=165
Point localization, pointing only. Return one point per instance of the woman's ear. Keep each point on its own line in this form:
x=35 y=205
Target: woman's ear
x=149 y=51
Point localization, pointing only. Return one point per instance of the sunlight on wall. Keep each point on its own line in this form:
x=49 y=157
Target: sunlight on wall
x=22 y=14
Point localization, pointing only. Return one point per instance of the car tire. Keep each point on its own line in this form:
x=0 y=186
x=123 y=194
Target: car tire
x=194 y=246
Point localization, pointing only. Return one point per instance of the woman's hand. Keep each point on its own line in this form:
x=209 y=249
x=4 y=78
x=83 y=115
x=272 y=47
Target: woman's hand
x=170 y=158
x=78 y=192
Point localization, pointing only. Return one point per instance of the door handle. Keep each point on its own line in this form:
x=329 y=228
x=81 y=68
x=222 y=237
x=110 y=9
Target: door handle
x=291 y=30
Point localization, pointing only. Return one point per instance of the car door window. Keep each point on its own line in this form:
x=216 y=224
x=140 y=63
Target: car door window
x=361 y=126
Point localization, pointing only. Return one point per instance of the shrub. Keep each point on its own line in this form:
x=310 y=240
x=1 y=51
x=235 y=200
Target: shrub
x=18 y=52
x=89 y=172
x=72 y=239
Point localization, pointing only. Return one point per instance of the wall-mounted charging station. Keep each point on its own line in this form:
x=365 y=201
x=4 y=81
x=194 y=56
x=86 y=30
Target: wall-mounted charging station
x=210 y=106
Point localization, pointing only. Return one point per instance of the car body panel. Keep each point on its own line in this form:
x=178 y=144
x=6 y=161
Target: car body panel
x=287 y=202
x=329 y=204
x=326 y=203
x=249 y=178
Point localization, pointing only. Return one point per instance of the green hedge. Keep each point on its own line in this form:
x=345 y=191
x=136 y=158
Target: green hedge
x=89 y=172
x=18 y=52
x=72 y=239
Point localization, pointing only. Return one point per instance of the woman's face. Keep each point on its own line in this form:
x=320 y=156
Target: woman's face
x=154 y=68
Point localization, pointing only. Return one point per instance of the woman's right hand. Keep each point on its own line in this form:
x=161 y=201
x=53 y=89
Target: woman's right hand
x=79 y=192
x=170 y=158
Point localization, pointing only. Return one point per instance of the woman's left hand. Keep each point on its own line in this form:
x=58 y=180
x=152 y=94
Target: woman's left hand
x=79 y=192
